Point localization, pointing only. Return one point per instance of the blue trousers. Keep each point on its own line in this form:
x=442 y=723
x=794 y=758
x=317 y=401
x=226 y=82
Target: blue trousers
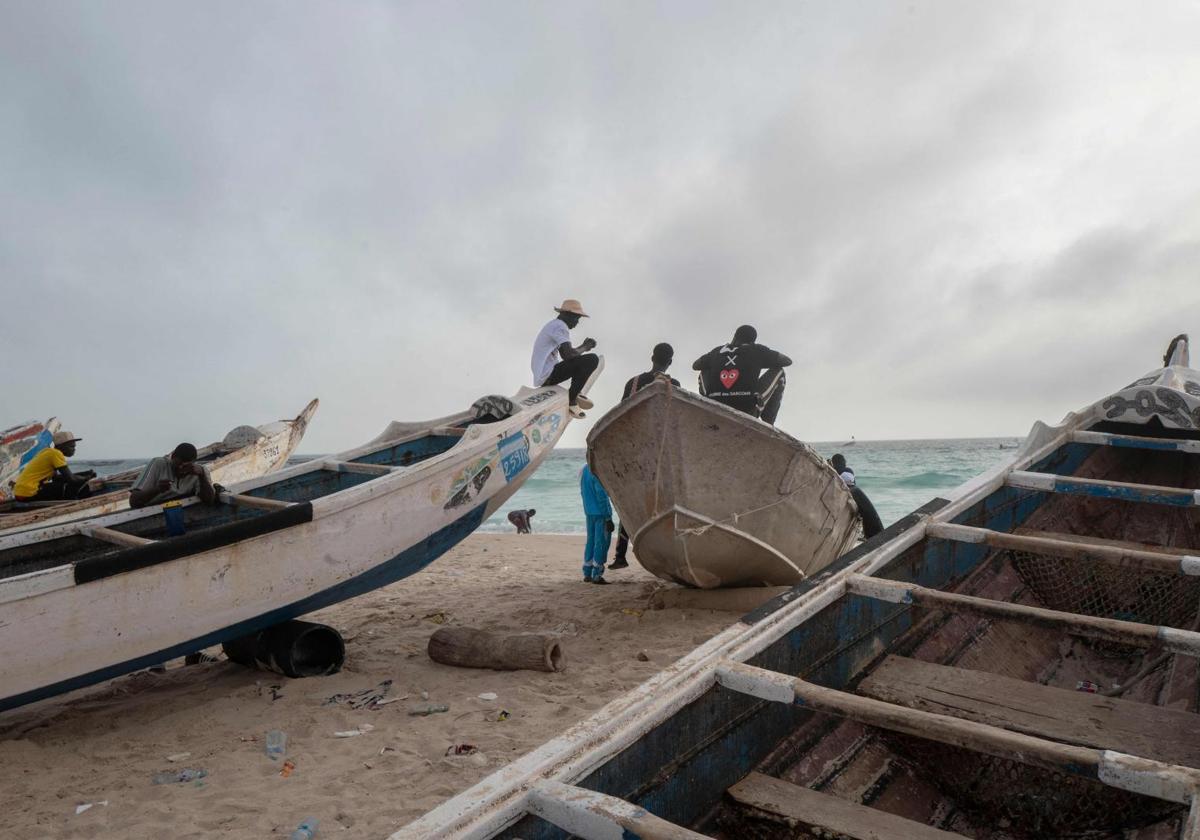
x=596 y=552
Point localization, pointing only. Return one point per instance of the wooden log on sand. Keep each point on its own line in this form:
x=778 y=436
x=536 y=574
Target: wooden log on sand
x=741 y=599
x=466 y=647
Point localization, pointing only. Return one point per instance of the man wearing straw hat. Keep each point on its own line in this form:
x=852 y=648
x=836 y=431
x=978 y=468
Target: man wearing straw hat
x=47 y=478
x=555 y=361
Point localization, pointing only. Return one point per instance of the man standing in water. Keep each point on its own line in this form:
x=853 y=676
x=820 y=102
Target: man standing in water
x=660 y=359
x=732 y=374
x=555 y=361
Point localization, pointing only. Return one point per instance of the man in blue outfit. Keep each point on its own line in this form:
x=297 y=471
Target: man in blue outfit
x=598 y=511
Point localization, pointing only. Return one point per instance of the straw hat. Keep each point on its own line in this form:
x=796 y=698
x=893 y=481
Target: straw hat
x=572 y=306
x=64 y=437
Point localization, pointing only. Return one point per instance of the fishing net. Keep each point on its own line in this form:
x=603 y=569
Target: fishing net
x=1029 y=801
x=1090 y=587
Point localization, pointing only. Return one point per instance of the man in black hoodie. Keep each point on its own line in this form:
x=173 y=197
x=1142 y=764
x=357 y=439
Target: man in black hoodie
x=733 y=374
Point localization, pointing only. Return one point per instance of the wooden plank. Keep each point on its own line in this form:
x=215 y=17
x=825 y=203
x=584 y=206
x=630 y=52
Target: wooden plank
x=1136 y=442
x=352 y=467
x=1108 y=629
x=804 y=808
x=254 y=501
x=1076 y=549
x=1145 y=493
x=1151 y=777
x=1089 y=540
x=114 y=537
x=1069 y=717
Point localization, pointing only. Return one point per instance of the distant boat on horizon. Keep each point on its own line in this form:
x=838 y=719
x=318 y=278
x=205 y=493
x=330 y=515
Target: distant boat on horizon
x=850 y=442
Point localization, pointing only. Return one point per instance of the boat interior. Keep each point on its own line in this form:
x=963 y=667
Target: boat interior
x=992 y=680
x=275 y=504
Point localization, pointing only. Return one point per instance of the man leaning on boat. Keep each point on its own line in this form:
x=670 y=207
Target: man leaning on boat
x=174 y=476
x=554 y=360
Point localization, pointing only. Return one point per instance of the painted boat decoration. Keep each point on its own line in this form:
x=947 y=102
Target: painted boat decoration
x=18 y=444
x=245 y=452
x=713 y=497
x=276 y=547
x=1016 y=660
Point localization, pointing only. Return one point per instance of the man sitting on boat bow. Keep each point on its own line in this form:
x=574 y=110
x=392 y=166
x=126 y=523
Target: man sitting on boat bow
x=555 y=361
x=175 y=476
x=732 y=374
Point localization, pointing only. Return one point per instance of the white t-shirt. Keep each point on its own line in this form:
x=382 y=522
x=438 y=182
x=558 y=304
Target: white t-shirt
x=545 y=349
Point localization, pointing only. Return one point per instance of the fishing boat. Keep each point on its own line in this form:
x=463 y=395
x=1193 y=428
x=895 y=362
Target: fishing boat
x=18 y=444
x=713 y=497
x=1015 y=660
x=245 y=452
x=84 y=601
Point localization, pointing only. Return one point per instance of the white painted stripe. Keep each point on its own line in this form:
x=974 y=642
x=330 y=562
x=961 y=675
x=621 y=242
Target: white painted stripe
x=766 y=685
x=1032 y=481
x=1150 y=778
x=552 y=802
x=1189 y=564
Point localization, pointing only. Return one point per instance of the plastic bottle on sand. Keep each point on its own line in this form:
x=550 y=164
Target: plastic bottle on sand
x=276 y=744
x=306 y=830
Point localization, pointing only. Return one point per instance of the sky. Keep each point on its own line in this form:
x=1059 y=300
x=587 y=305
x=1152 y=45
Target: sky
x=956 y=217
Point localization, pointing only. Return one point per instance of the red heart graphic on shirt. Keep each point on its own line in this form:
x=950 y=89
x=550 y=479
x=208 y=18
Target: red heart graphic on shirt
x=728 y=377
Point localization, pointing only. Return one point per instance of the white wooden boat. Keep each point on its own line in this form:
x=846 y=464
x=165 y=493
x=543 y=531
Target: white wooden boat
x=1015 y=660
x=712 y=497
x=17 y=445
x=245 y=452
x=84 y=601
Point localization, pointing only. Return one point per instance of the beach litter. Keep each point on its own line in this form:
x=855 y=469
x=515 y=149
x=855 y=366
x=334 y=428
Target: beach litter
x=87 y=806
x=501 y=715
x=435 y=617
x=276 y=744
x=287 y=768
x=489 y=696
x=428 y=709
x=170 y=777
x=362 y=729
x=631 y=611
x=307 y=830
x=179 y=756
x=367 y=698
x=461 y=749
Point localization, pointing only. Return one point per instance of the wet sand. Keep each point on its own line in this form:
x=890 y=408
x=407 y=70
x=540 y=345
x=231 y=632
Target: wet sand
x=107 y=742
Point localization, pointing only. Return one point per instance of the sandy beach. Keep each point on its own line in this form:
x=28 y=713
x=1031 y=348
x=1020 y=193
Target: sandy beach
x=106 y=743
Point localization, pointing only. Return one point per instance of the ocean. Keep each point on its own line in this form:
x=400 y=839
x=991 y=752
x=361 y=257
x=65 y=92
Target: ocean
x=897 y=475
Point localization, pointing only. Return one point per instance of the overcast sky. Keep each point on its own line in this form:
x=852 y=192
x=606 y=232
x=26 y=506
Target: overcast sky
x=956 y=217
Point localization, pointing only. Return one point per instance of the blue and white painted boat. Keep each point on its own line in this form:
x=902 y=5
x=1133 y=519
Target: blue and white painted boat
x=84 y=601
x=18 y=444
x=1015 y=660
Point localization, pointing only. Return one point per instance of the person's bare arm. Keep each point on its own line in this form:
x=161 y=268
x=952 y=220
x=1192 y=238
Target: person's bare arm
x=141 y=498
x=205 y=490
x=568 y=352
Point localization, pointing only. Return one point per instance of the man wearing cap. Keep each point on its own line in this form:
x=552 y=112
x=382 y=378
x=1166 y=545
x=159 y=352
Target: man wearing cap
x=555 y=361
x=732 y=374
x=660 y=359
x=174 y=476
x=47 y=478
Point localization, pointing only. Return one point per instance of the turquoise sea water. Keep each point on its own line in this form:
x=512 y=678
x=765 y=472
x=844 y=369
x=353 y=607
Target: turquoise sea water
x=897 y=475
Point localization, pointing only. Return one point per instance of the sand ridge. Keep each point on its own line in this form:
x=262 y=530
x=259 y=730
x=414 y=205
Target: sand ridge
x=105 y=743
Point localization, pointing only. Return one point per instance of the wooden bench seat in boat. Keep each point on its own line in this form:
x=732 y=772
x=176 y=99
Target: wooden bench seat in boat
x=1069 y=717
x=810 y=809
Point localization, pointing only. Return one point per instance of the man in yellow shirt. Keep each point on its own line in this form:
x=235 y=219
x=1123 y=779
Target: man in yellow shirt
x=47 y=478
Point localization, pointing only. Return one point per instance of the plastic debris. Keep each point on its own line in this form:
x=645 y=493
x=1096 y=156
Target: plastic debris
x=461 y=749
x=424 y=695
x=429 y=709
x=287 y=768
x=435 y=617
x=352 y=733
x=367 y=698
x=87 y=806
x=307 y=830
x=169 y=777
x=489 y=696
x=1088 y=686
x=390 y=700
x=247 y=738
x=179 y=756
x=386 y=750
x=503 y=714
x=632 y=611
x=276 y=745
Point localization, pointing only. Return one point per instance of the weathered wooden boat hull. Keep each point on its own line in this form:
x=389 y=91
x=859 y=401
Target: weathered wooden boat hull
x=246 y=452
x=287 y=544
x=17 y=445
x=712 y=497
x=919 y=687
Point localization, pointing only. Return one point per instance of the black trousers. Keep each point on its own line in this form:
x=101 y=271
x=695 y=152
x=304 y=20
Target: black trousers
x=769 y=395
x=58 y=489
x=577 y=369
x=622 y=543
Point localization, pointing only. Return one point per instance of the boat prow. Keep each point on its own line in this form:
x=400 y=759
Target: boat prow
x=713 y=497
